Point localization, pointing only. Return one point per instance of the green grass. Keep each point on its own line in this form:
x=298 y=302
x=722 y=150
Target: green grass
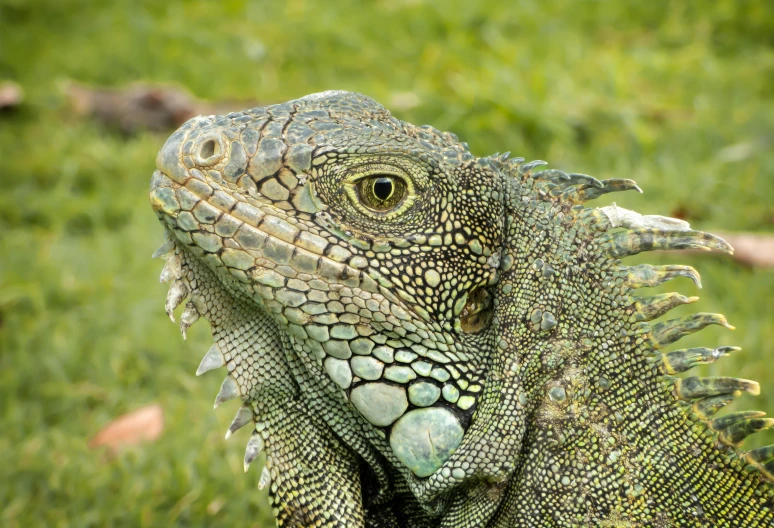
x=678 y=96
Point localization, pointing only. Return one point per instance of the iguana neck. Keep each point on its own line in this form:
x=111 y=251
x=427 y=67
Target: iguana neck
x=578 y=397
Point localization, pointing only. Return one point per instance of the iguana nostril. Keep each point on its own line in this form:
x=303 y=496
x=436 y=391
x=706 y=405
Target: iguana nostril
x=209 y=149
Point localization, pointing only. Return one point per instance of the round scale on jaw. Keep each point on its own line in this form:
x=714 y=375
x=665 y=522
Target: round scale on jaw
x=451 y=393
x=466 y=402
x=367 y=367
x=339 y=371
x=399 y=374
x=422 y=368
x=439 y=374
x=423 y=394
x=379 y=403
x=424 y=439
x=404 y=356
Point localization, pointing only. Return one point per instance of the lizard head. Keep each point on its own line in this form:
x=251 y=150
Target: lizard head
x=371 y=243
x=459 y=318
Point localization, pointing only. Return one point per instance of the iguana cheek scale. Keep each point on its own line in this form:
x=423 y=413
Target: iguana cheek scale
x=466 y=352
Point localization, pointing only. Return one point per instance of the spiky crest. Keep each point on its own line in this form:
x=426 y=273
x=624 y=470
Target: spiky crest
x=630 y=233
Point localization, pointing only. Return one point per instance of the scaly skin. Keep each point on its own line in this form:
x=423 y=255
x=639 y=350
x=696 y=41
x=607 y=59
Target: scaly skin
x=424 y=338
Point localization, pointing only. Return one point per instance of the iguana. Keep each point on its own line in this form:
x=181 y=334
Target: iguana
x=421 y=337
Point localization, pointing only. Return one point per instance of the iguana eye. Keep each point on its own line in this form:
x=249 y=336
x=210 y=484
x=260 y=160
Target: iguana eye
x=381 y=192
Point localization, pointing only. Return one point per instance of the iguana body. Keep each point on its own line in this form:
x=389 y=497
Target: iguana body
x=423 y=338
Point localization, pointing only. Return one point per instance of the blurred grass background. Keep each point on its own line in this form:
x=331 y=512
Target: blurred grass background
x=677 y=95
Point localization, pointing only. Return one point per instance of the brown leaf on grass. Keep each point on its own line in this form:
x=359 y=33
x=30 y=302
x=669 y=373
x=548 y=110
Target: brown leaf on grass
x=753 y=249
x=11 y=95
x=143 y=106
x=138 y=106
x=141 y=425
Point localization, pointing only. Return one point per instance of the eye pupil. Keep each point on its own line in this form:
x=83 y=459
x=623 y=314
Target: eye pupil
x=383 y=188
x=381 y=192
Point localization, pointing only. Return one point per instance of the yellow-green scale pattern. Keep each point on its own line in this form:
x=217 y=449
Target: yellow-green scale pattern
x=425 y=338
